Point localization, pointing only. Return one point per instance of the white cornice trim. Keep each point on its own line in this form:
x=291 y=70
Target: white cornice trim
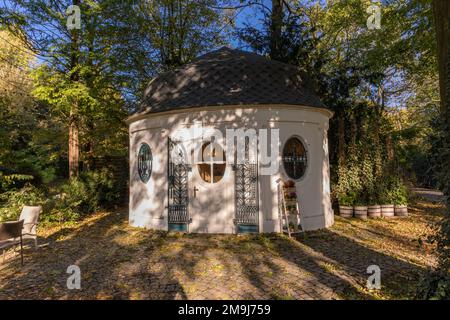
x=143 y=115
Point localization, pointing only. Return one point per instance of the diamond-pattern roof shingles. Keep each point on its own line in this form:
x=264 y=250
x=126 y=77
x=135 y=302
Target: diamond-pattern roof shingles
x=229 y=77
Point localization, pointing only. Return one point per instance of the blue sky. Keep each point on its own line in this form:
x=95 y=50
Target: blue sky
x=252 y=15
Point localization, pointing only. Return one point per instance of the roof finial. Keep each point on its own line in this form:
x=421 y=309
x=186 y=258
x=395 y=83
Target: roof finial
x=227 y=47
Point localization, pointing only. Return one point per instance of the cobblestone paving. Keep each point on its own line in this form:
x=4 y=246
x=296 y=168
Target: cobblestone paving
x=121 y=262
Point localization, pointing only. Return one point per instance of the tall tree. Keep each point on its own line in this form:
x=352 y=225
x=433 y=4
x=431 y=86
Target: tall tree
x=441 y=9
x=276 y=25
x=93 y=75
x=29 y=141
x=74 y=144
x=75 y=74
x=439 y=286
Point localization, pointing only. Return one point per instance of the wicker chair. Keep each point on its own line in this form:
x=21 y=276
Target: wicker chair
x=10 y=236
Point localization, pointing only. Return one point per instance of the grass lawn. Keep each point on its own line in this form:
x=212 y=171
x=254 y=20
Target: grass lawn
x=121 y=262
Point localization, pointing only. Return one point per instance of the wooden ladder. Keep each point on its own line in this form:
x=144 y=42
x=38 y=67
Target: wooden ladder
x=285 y=202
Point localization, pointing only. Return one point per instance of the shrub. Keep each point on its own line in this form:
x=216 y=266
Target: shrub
x=12 y=201
x=73 y=200
x=13 y=181
x=437 y=285
x=347 y=199
x=434 y=286
x=102 y=186
x=349 y=184
x=356 y=178
x=88 y=193
x=394 y=191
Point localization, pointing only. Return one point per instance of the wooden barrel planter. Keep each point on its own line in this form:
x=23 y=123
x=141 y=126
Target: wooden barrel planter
x=387 y=210
x=345 y=211
x=361 y=212
x=374 y=211
x=401 y=210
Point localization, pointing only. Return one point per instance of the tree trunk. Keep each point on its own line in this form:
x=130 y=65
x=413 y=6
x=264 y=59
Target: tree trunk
x=275 y=29
x=353 y=133
x=389 y=148
x=87 y=150
x=73 y=146
x=341 y=139
x=378 y=161
x=74 y=150
x=442 y=17
x=442 y=23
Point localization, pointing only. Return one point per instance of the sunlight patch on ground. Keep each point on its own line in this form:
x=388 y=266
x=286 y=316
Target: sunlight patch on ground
x=122 y=262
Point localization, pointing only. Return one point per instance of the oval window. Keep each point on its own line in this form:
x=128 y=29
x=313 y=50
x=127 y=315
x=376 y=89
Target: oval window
x=212 y=164
x=145 y=162
x=294 y=158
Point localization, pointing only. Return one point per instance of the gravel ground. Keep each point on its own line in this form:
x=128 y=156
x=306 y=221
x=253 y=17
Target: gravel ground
x=121 y=262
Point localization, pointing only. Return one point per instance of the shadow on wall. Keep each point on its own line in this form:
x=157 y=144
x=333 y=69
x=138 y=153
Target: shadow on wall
x=149 y=201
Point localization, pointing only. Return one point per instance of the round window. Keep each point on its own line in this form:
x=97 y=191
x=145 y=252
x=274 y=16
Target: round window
x=145 y=161
x=212 y=164
x=294 y=158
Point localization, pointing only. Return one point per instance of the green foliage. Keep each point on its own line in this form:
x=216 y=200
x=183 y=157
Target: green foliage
x=434 y=286
x=357 y=182
x=102 y=187
x=393 y=191
x=349 y=184
x=74 y=199
x=437 y=285
x=96 y=107
x=28 y=141
x=88 y=193
x=348 y=199
x=11 y=181
x=415 y=133
x=12 y=201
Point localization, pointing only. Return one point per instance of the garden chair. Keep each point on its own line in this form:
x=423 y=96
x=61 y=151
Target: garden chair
x=30 y=215
x=10 y=236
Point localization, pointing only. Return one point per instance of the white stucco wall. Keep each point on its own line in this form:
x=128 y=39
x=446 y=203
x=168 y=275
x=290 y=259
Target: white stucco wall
x=212 y=210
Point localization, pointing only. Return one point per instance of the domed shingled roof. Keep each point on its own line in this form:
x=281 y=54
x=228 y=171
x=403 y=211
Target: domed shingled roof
x=229 y=77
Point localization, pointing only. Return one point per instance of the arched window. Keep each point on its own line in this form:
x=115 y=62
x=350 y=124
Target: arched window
x=295 y=159
x=145 y=161
x=212 y=164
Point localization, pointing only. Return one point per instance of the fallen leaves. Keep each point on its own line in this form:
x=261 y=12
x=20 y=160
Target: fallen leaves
x=118 y=261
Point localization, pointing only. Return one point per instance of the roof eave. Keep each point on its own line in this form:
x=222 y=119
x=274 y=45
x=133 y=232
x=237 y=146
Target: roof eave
x=148 y=113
